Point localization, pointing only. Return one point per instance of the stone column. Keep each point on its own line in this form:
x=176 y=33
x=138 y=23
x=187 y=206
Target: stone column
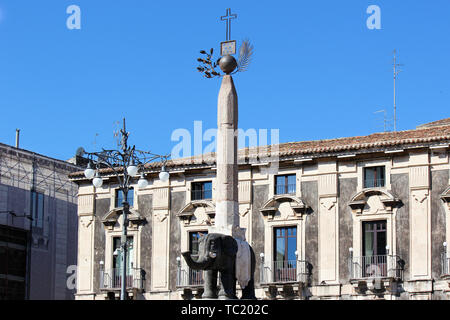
x=227 y=204
x=86 y=235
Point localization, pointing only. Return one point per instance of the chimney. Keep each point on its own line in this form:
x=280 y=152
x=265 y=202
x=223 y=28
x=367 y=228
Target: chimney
x=17 y=137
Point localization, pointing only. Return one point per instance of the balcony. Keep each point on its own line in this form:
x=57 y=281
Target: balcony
x=374 y=183
x=379 y=266
x=285 y=188
x=188 y=278
x=189 y=281
x=111 y=280
x=286 y=278
x=445 y=262
x=201 y=195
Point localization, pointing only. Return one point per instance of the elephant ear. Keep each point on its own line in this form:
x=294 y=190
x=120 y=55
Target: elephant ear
x=230 y=246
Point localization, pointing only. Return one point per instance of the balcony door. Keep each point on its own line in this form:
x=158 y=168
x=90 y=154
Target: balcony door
x=285 y=260
x=374 y=248
x=195 y=276
x=117 y=261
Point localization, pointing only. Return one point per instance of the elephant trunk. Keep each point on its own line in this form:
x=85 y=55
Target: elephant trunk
x=196 y=265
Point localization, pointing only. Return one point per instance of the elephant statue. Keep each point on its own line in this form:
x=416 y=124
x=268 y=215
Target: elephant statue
x=217 y=254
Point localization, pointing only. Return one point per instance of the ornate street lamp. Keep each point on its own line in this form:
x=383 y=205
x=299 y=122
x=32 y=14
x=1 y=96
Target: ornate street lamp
x=125 y=165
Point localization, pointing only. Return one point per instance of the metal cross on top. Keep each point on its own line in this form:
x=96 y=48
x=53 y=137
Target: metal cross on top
x=228 y=46
x=228 y=19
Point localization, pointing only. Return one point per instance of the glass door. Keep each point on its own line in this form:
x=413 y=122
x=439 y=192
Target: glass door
x=117 y=261
x=374 y=249
x=285 y=260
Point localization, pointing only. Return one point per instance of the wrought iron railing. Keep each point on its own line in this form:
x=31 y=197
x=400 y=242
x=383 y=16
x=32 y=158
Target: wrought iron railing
x=201 y=194
x=285 y=271
x=374 y=183
x=285 y=188
x=112 y=278
x=445 y=262
x=377 y=266
x=187 y=277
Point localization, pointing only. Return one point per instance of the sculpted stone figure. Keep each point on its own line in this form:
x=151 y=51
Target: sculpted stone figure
x=217 y=254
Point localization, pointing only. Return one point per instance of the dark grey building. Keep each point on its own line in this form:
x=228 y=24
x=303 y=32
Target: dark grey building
x=38 y=226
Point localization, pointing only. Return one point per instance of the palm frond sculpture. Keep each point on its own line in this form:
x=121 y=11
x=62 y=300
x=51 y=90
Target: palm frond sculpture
x=245 y=55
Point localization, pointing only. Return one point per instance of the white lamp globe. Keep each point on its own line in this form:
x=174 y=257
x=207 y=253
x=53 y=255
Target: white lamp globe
x=142 y=183
x=89 y=172
x=164 y=175
x=97 y=182
x=132 y=170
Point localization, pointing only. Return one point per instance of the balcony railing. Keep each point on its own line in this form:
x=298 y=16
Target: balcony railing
x=201 y=194
x=378 y=266
x=112 y=279
x=187 y=277
x=445 y=262
x=285 y=271
x=285 y=188
x=374 y=183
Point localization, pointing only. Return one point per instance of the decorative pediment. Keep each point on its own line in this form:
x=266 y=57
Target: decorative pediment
x=191 y=211
x=297 y=206
x=446 y=196
x=376 y=198
x=111 y=218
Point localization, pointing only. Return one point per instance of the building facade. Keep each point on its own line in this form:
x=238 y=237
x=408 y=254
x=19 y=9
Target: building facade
x=38 y=225
x=351 y=218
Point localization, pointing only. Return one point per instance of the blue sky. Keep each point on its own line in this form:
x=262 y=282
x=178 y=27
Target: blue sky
x=318 y=72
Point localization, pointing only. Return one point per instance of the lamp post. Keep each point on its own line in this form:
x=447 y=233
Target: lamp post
x=125 y=165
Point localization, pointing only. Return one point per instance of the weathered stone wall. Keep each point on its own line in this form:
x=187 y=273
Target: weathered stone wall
x=439 y=182
x=145 y=210
x=101 y=208
x=347 y=188
x=400 y=189
x=310 y=197
x=177 y=201
x=260 y=195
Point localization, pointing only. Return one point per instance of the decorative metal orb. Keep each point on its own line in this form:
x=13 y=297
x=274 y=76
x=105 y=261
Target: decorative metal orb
x=228 y=64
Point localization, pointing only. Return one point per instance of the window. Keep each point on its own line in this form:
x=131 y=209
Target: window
x=285 y=184
x=119 y=197
x=116 y=272
x=37 y=209
x=195 y=276
x=193 y=241
x=374 y=249
x=374 y=177
x=13 y=261
x=117 y=255
x=285 y=259
x=374 y=238
x=201 y=190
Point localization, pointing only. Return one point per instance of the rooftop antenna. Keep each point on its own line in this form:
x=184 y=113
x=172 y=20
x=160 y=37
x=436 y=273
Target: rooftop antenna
x=94 y=143
x=396 y=72
x=385 y=120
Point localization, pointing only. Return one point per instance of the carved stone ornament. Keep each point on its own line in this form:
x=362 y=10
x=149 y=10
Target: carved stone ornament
x=188 y=212
x=111 y=218
x=359 y=201
x=269 y=209
x=446 y=197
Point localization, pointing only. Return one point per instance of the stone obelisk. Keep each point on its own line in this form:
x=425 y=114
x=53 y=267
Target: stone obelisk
x=227 y=202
